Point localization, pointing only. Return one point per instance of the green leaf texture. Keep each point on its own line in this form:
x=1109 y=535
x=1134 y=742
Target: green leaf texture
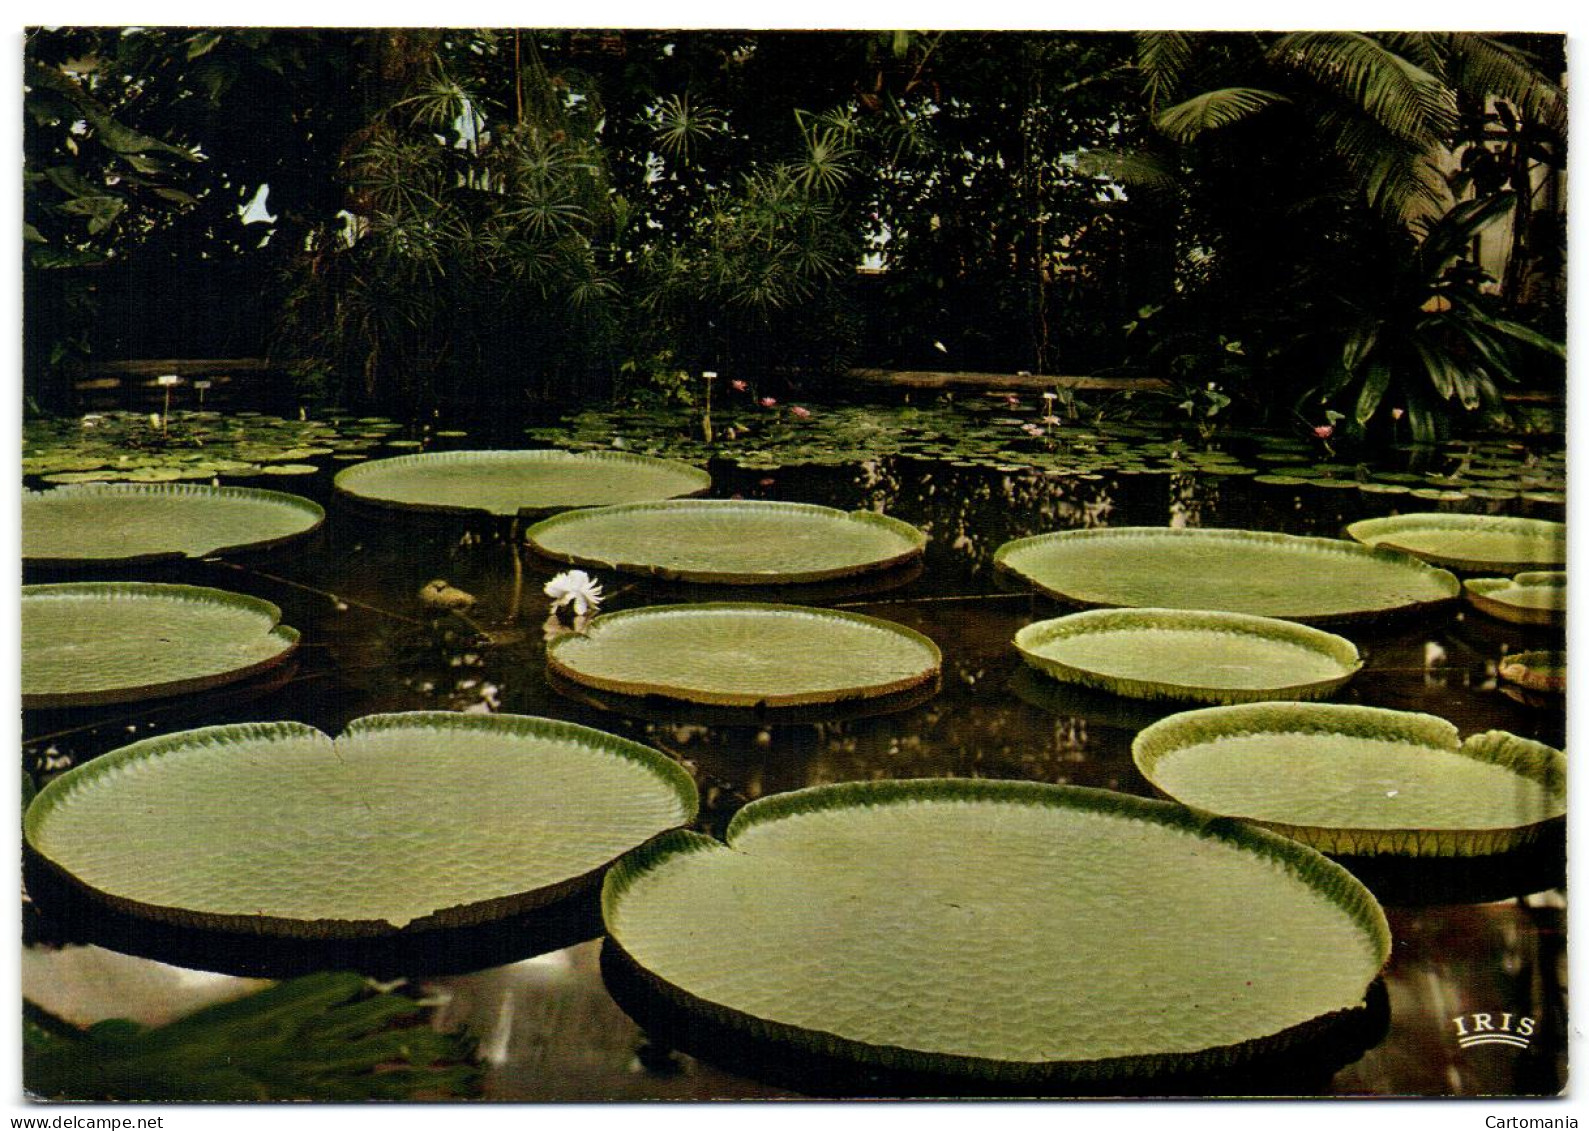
x=101 y=524
x=1357 y=781
x=1469 y=542
x=507 y=482
x=729 y=542
x=93 y=643
x=1130 y=935
x=325 y=1037
x=741 y=654
x=429 y=818
x=1319 y=580
x=1209 y=657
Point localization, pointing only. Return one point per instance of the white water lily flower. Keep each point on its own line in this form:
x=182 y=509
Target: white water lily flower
x=574 y=587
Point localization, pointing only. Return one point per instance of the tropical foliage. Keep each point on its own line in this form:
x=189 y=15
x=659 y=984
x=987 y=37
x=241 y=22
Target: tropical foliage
x=496 y=217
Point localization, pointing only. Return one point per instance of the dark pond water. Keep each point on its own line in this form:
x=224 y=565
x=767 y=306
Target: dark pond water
x=547 y=1028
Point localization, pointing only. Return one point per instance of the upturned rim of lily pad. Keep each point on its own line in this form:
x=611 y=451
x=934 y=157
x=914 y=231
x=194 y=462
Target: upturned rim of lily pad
x=1524 y=758
x=347 y=481
x=912 y=541
x=254 y=610
x=1211 y=626
x=1293 y=862
x=314 y=515
x=1538 y=669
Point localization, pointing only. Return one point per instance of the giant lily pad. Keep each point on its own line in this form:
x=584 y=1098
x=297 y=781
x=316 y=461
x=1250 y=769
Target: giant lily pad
x=102 y=524
x=94 y=643
x=1040 y=935
x=406 y=823
x=508 y=482
x=740 y=654
x=1469 y=541
x=733 y=542
x=1319 y=580
x=1358 y=781
x=1536 y=597
x=1206 y=656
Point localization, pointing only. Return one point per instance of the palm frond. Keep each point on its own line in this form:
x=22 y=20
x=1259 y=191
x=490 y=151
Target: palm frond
x=1401 y=180
x=1398 y=94
x=1162 y=58
x=1212 y=109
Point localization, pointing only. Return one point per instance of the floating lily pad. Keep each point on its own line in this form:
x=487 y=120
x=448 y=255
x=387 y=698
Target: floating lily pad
x=1536 y=597
x=739 y=654
x=1535 y=671
x=506 y=483
x=99 y=524
x=1358 y=781
x=93 y=643
x=1210 y=657
x=1242 y=571
x=729 y=542
x=1469 y=541
x=1133 y=939
x=406 y=823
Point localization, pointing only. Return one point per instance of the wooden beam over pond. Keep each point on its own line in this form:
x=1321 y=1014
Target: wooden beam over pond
x=995 y=382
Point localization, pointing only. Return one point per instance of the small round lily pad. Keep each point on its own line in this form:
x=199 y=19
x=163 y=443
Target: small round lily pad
x=104 y=524
x=1534 y=597
x=729 y=541
x=744 y=654
x=1358 y=781
x=1469 y=542
x=510 y=482
x=1209 y=657
x=1133 y=940
x=95 y=643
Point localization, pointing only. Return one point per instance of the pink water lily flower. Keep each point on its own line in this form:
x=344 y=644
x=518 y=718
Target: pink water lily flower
x=1324 y=431
x=738 y=386
x=768 y=402
x=802 y=413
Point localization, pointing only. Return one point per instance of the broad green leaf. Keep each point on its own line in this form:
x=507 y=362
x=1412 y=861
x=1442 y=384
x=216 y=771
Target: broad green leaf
x=1529 y=337
x=109 y=524
x=1208 y=657
x=508 y=482
x=1357 y=781
x=724 y=541
x=1133 y=938
x=93 y=643
x=1469 y=541
x=742 y=654
x=432 y=818
x=1376 y=379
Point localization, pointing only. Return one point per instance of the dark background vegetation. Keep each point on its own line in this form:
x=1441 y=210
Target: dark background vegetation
x=1329 y=225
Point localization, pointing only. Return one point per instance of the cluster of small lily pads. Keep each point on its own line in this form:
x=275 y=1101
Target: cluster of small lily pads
x=135 y=447
x=1012 y=435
